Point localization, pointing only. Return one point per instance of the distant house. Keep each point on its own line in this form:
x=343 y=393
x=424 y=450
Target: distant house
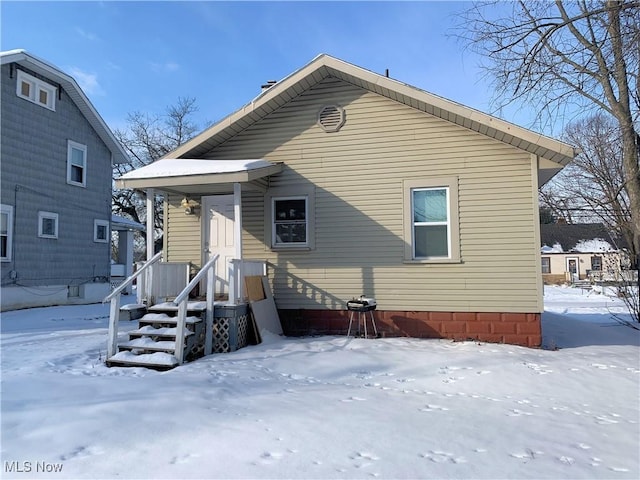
x=574 y=252
x=57 y=156
x=347 y=182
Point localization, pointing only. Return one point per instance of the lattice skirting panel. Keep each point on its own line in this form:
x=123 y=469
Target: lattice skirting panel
x=230 y=333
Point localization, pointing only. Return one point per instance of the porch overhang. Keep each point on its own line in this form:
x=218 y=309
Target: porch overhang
x=197 y=175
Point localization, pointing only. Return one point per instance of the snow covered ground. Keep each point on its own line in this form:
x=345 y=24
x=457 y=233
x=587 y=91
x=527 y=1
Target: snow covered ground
x=326 y=407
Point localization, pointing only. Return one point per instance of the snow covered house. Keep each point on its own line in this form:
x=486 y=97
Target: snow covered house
x=344 y=182
x=56 y=156
x=575 y=252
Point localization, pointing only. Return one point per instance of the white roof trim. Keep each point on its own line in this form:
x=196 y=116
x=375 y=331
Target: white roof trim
x=178 y=167
x=68 y=83
x=170 y=173
x=324 y=65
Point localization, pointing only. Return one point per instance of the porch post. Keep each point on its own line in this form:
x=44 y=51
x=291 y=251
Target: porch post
x=151 y=212
x=237 y=235
x=147 y=295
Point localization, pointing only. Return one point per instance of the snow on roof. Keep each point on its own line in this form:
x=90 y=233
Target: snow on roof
x=118 y=222
x=178 y=167
x=557 y=248
x=595 y=245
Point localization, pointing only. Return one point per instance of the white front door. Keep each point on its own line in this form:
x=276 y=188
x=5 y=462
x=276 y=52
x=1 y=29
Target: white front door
x=218 y=236
x=573 y=268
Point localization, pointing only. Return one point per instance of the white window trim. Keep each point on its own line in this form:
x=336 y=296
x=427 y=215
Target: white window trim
x=287 y=193
x=96 y=224
x=274 y=238
x=78 y=146
x=8 y=211
x=453 y=229
x=50 y=215
x=37 y=86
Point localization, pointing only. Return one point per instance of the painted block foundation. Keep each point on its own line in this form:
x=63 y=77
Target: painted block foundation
x=513 y=328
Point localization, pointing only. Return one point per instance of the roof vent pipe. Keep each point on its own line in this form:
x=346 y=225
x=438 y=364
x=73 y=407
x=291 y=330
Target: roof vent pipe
x=268 y=85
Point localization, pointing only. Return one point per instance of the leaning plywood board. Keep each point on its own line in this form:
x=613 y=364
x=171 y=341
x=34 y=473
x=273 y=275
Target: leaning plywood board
x=254 y=288
x=265 y=312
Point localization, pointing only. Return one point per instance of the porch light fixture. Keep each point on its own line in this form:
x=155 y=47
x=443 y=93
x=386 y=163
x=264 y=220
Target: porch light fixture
x=189 y=206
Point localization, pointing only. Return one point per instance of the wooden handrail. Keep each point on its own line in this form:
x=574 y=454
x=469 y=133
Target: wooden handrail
x=199 y=276
x=132 y=277
x=182 y=300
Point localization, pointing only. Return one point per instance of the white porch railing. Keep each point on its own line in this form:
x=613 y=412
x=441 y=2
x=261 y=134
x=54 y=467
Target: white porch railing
x=182 y=301
x=238 y=269
x=114 y=310
x=163 y=280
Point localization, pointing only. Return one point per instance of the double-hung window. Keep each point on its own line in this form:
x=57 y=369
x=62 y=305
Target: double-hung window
x=47 y=225
x=431 y=220
x=6 y=232
x=76 y=164
x=546 y=264
x=596 y=263
x=36 y=91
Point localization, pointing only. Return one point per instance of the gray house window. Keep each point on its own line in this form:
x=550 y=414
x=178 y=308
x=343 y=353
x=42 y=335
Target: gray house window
x=36 y=91
x=100 y=231
x=596 y=263
x=76 y=164
x=47 y=225
x=6 y=232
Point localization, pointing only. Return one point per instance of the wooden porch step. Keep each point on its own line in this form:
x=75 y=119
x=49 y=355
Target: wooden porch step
x=156 y=361
x=132 y=311
x=164 y=319
x=164 y=332
x=147 y=345
x=172 y=307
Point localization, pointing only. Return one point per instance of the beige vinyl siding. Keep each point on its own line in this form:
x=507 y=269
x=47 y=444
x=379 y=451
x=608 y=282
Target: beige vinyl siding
x=358 y=175
x=184 y=232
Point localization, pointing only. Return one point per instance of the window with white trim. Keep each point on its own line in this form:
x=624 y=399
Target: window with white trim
x=431 y=220
x=47 y=225
x=6 y=232
x=289 y=218
x=36 y=91
x=100 y=231
x=76 y=163
x=546 y=264
x=289 y=222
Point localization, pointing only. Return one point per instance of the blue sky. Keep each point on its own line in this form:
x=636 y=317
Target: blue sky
x=143 y=56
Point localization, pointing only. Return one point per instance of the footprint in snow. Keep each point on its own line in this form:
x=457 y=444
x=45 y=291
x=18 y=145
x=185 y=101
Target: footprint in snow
x=437 y=456
x=354 y=399
x=433 y=408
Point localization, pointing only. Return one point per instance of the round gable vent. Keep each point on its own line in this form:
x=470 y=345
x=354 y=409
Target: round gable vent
x=331 y=118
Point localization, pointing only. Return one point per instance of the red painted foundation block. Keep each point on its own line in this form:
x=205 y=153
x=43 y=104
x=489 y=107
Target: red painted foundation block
x=513 y=328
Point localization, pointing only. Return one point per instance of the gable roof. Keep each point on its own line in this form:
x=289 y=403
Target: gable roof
x=570 y=235
x=553 y=153
x=68 y=83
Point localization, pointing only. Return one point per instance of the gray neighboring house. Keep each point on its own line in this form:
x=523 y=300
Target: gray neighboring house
x=56 y=155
